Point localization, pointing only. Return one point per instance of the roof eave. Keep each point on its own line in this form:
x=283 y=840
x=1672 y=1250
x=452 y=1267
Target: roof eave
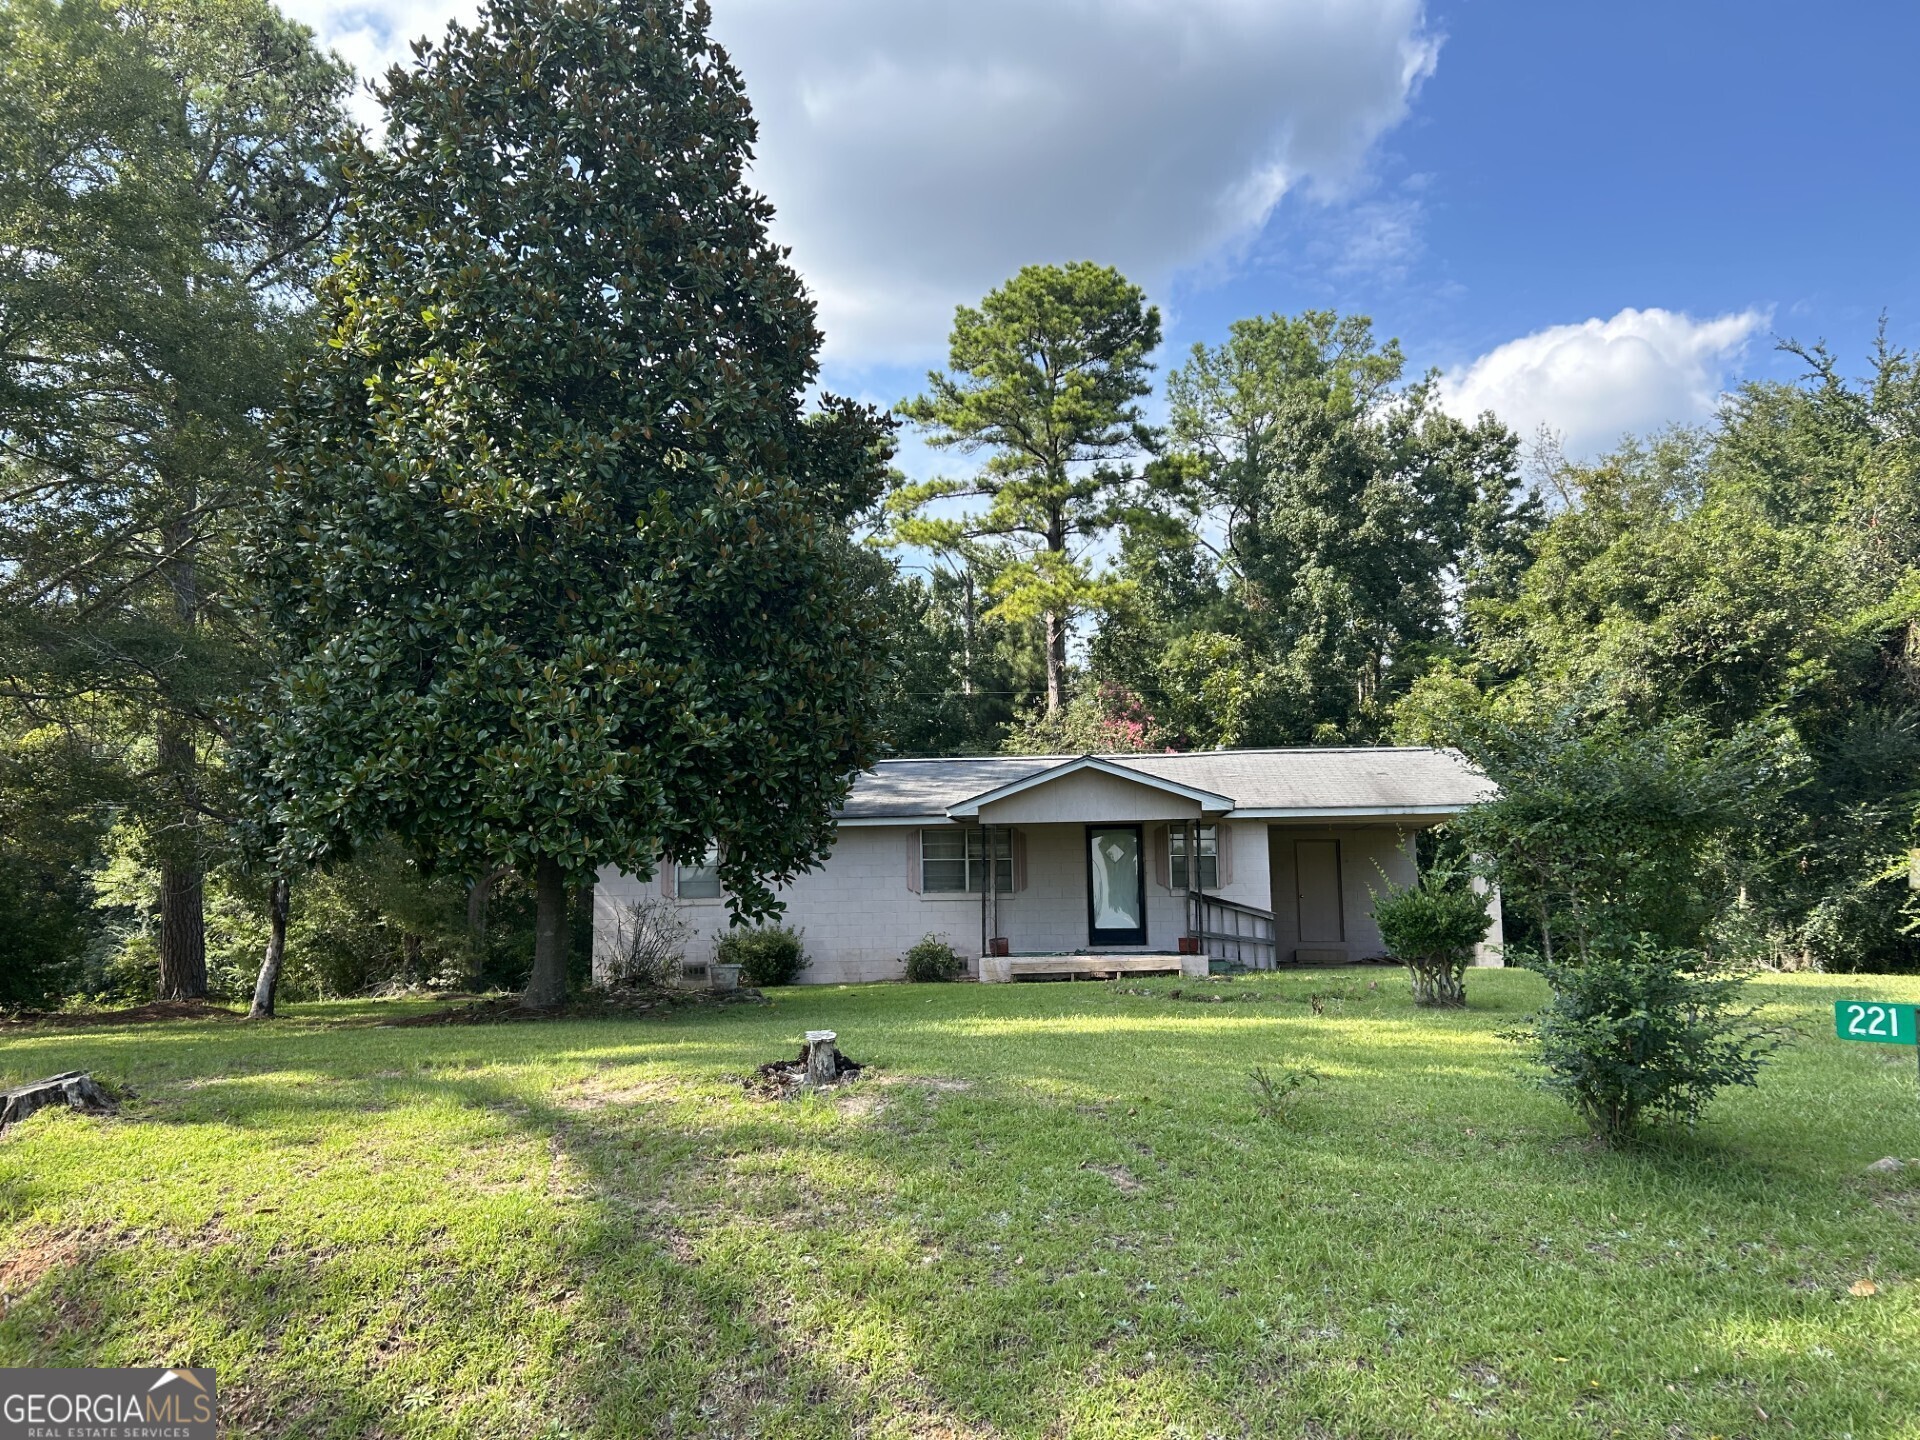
x=1342 y=812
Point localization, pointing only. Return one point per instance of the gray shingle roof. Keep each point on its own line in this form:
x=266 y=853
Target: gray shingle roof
x=1373 y=779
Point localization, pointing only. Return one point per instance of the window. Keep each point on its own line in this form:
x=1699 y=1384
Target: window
x=1209 y=857
x=702 y=881
x=953 y=862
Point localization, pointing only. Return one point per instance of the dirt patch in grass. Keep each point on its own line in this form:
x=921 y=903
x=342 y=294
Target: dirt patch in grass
x=860 y=1104
x=1123 y=1179
x=156 y=1011
x=29 y=1260
x=938 y=1084
x=602 y=1092
x=611 y=1005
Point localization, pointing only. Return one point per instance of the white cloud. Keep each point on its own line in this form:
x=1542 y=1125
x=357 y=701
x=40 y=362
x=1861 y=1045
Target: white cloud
x=1598 y=380
x=370 y=35
x=921 y=151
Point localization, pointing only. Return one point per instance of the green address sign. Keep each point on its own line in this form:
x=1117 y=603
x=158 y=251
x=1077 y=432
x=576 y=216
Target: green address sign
x=1876 y=1020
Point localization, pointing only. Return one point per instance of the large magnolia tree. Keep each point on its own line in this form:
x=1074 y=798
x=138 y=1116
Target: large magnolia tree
x=562 y=571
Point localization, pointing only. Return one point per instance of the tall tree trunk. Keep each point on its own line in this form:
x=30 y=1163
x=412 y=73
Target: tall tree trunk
x=966 y=657
x=269 y=982
x=183 y=931
x=183 y=924
x=547 y=985
x=1056 y=627
x=479 y=898
x=1056 y=661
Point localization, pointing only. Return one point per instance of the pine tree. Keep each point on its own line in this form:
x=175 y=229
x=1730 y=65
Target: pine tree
x=166 y=196
x=1045 y=376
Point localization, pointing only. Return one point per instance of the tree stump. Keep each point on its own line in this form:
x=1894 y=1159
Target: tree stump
x=823 y=1058
x=75 y=1089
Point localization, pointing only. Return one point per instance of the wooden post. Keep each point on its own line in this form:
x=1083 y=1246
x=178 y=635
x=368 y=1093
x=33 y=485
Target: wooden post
x=823 y=1057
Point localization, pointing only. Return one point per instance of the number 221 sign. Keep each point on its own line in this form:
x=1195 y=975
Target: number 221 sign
x=1875 y=1020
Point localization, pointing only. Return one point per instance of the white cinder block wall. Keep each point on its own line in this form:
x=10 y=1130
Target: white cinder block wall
x=855 y=914
x=1372 y=858
x=859 y=915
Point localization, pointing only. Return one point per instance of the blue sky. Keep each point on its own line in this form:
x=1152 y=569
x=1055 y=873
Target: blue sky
x=1595 y=217
x=1566 y=161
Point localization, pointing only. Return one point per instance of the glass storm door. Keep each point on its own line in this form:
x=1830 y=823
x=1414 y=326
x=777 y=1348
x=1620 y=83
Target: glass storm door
x=1116 y=886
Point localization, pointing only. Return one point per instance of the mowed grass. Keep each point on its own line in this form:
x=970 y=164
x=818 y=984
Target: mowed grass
x=1047 y=1210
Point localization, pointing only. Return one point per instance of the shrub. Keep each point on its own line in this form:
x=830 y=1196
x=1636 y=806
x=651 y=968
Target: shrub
x=766 y=955
x=933 y=959
x=1636 y=1029
x=1431 y=927
x=649 y=940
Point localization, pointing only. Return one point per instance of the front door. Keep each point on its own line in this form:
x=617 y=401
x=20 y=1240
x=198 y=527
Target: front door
x=1116 y=886
x=1316 y=868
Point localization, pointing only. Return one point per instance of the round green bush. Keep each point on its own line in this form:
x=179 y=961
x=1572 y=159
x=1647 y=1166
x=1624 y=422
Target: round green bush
x=766 y=955
x=933 y=959
x=1431 y=927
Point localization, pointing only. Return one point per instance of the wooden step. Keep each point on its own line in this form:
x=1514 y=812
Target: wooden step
x=1000 y=969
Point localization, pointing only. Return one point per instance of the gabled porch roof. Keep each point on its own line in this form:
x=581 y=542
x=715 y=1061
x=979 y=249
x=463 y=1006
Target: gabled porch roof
x=1193 y=800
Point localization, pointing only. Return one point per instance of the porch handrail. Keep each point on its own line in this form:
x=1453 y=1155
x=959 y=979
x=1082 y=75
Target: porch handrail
x=1232 y=930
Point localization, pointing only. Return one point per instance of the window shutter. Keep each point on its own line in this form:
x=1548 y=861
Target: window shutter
x=669 y=880
x=913 y=861
x=1019 y=860
x=1162 y=857
x=1223 y=843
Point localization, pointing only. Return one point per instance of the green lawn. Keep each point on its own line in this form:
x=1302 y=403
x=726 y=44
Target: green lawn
x=1048 y=1210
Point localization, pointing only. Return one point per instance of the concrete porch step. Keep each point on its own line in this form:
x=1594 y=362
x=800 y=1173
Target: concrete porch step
x=1000 y=969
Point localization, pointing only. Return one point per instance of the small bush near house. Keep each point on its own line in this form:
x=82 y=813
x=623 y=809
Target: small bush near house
x=1635 y=1029
x=1431 y=927
x=649 y=942
x=933 y=959
x=766 y=955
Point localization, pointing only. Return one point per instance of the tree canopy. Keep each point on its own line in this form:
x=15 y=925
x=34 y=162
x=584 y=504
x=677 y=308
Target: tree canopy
x=561 y=569
x=1760 y=575
x=1330 y=521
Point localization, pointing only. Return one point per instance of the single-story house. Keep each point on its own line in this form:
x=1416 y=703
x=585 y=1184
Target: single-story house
x=1266 y=857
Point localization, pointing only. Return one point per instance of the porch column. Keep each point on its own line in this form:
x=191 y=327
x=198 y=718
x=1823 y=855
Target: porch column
x=1491 y=950
x=990 y=890
x=1195 y=916
x=984 y=932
